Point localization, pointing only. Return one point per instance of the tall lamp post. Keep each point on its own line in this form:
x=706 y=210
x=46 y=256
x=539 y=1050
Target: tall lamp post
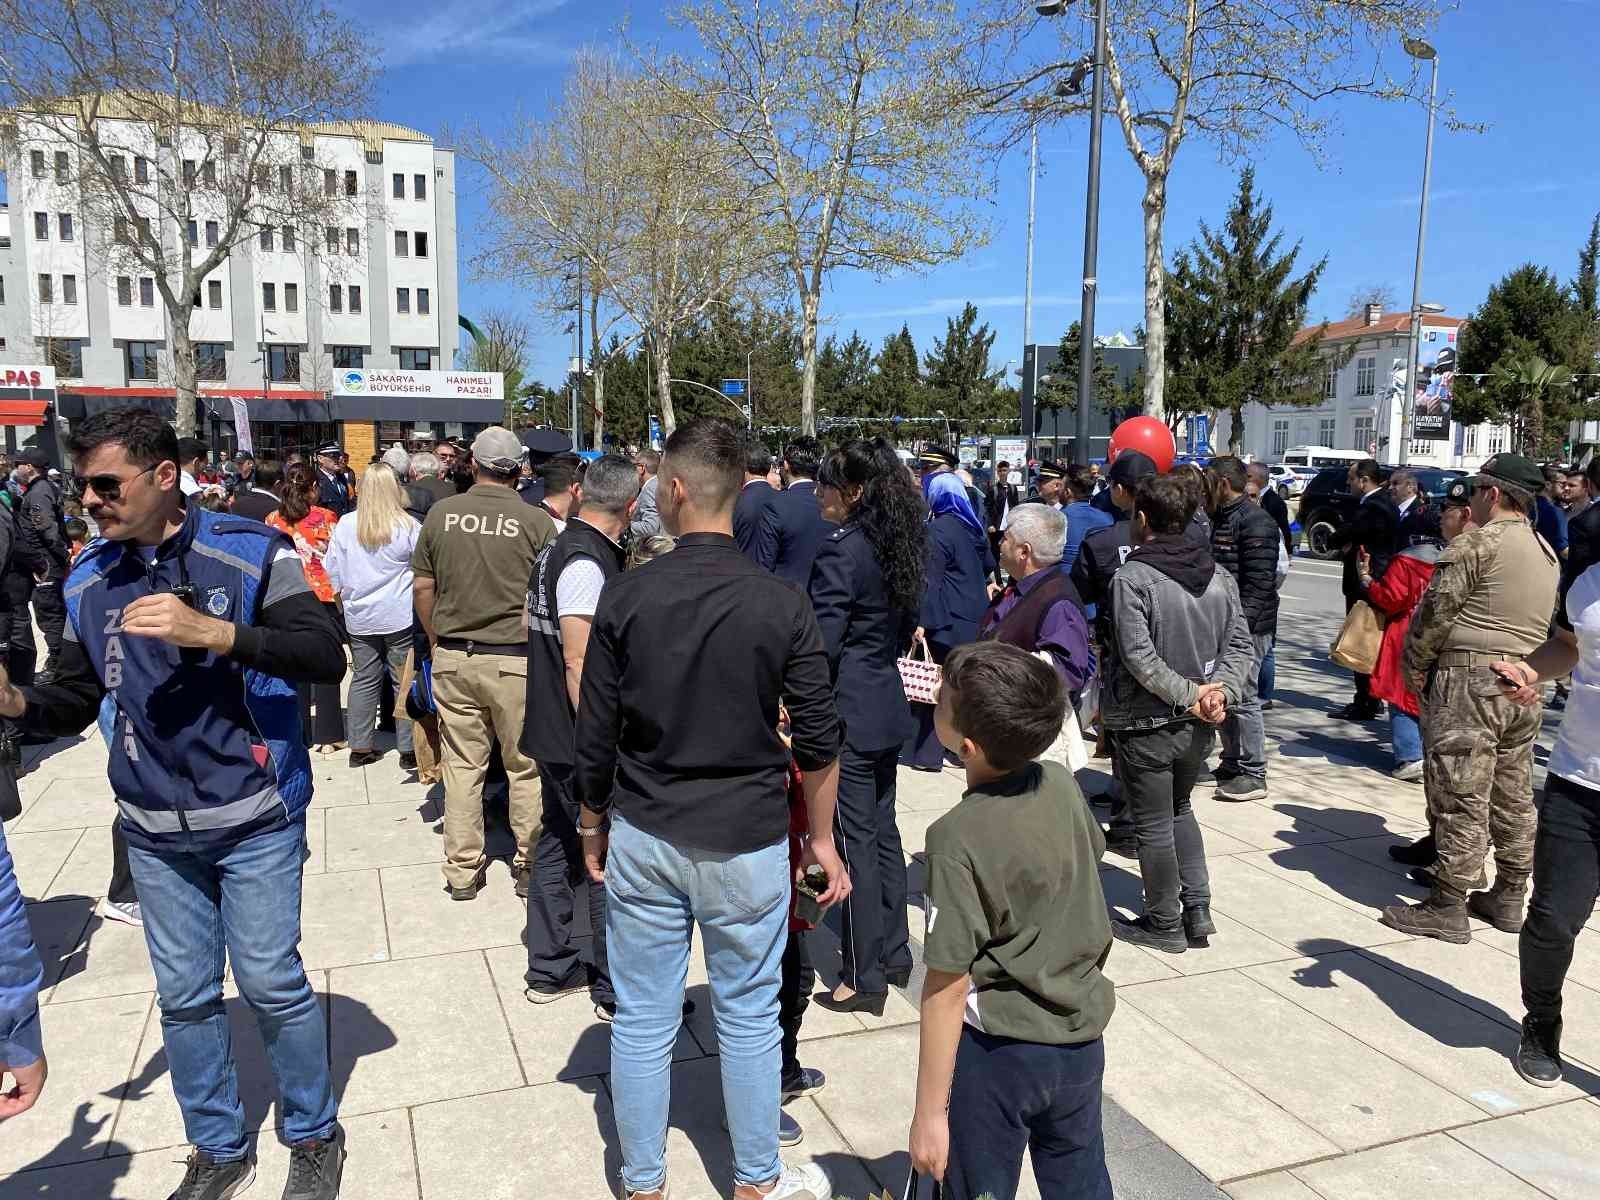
x=1422 y=52
x=1027 y=290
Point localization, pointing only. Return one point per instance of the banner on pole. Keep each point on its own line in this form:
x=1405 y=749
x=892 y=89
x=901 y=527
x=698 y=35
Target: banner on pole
x=1435 y=394
x=241 y=424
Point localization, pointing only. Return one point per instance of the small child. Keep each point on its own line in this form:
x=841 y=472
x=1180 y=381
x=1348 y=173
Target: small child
x=77 y=535
x=1017 y=935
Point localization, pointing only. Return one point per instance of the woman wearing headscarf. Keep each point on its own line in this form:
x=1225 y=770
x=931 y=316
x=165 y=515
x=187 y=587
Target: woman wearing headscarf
x=959 y=564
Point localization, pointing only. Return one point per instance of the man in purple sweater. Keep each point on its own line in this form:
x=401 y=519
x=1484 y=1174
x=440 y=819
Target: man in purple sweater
x=1041 y=611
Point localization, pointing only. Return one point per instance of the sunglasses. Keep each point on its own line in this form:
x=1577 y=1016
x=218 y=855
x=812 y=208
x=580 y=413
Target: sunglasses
x=106 y=487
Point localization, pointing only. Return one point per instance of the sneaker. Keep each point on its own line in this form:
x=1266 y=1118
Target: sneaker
x=1140 y=932
x=1408 y=772
x=469 y=891
x=1241 y=788
x=1267 y=705
x=364 y=758
x=804 y=1082
x=805 y=1182
x=408 y=761
x=660 y=1193
x=315 y=1168
x=125 y=911
x=789 y=1132
x=606 y=1010
x=577 y=980
x=208 y=1179
x=1538 y=1057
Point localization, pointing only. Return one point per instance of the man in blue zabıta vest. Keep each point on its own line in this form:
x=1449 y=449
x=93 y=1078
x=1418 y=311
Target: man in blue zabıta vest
x=195 y=623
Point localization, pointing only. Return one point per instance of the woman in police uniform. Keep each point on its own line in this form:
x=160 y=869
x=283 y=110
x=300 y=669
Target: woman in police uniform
x=866 y=589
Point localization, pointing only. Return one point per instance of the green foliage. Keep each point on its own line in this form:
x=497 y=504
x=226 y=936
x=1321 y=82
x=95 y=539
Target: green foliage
x=1234 y=305
x=1528 y=386
x=957 y=377
x=1527 y=315
x=1062 y=390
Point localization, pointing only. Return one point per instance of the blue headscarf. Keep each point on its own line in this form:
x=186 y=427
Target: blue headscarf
x=947 y=494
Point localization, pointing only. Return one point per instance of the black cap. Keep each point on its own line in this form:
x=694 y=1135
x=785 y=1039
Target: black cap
x=938 y=456
x=1052 y=470
x=542 y=443
x=35 y=458
x=1130 y=467
x=1458 y=494
x=244 y=456
x=333 y=449
x=1513 y=469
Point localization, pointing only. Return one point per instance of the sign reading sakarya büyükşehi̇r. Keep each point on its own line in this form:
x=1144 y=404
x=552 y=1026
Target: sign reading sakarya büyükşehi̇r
x=374 y=381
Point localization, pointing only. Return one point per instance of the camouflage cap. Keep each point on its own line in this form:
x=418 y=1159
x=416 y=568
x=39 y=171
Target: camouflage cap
x=1513 y=469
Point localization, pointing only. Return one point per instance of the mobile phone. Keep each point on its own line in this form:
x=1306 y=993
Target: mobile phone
x=1510 y=678
x=808 y=892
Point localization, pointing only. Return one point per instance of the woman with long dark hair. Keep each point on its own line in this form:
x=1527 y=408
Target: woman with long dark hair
x=959 y=566
x=866 y=589
x=311 y=528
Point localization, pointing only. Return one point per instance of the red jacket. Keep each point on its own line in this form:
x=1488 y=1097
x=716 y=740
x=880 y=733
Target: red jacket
x=1396 y=595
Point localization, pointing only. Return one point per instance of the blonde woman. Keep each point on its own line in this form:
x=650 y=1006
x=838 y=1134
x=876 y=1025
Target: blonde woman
x=369 y=564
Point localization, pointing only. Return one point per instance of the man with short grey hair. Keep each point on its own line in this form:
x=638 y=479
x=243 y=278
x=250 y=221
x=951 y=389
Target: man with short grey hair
x=428 y=469
x=645 y=519
x=1041 y=611
x=563 y=594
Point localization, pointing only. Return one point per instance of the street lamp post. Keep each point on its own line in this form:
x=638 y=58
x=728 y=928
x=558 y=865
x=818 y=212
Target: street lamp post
x=1027 y=297
x=1091 y=241
x=742 y=409
x=1423 y=52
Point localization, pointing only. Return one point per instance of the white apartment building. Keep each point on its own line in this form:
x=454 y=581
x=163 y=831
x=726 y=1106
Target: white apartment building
x=289 y=324
x=1361 y=398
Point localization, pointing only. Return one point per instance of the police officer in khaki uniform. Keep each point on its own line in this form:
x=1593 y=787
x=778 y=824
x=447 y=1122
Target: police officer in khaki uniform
x=1489 y=600
x=472 y=564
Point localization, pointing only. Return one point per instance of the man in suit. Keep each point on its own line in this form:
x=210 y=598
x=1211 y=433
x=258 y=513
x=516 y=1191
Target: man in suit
x=1003 y=496
x=792 y=527
x=754 y=497
x=1272 y=503
x=646 y=520
x=1416 y=518
x=333 y=493
x=1373 y=528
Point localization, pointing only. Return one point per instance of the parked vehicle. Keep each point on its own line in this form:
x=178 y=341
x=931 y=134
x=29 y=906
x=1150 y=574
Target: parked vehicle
x=1289 y=481
x=1328 y=502
x=1314 y=458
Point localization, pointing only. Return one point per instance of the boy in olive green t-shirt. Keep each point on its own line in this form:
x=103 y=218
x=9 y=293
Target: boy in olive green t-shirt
x=1017 y=935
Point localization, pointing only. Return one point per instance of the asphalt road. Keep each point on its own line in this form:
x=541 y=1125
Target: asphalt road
x=1312 y=590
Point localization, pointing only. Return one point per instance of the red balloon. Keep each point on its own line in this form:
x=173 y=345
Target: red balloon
x=1147 y=435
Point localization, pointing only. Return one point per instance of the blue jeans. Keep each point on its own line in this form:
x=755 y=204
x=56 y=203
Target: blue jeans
x=244 y=899
x=656 y=892
x=1405 y=735
x=1267 y=677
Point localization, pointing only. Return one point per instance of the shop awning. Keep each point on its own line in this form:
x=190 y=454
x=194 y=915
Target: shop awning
x=22 y=412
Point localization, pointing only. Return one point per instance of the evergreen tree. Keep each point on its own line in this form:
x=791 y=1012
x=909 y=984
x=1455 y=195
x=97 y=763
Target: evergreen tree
x=960 y=383
x=1061 y=392
x=1234 y=305
x=1585 y=360
x=1586 y=287
x=897 y=377
x=1526 y=316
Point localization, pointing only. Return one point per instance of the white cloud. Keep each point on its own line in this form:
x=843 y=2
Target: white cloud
x=462 y=29
x=954 y=304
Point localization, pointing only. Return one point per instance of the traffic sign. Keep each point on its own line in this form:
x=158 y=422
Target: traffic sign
x=733 y=387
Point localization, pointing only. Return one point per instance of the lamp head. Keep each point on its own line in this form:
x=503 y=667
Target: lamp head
x=1418 y=48
x=1051 y=8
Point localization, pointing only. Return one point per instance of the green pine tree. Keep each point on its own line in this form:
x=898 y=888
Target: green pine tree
x=1061 y=392
x=897 y=377
x=960 y=383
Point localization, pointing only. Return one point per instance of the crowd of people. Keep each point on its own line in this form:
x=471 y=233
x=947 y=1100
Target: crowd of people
x=689 y=669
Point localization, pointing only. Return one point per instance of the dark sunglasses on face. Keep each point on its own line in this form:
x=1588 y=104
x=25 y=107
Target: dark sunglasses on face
x=106 y=487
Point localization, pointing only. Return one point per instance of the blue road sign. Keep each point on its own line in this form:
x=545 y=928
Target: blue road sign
x=655 y=432
x=733 y=387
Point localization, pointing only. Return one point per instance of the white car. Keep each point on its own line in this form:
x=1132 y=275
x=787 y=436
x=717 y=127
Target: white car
x=1290 y=481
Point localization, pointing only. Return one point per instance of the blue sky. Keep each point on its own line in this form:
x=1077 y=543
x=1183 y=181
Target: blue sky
x=1525 y=190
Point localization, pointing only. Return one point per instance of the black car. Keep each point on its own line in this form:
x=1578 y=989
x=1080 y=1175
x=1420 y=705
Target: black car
x=1327 y=503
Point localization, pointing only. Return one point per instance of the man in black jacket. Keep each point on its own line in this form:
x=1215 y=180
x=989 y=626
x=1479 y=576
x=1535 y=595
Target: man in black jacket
x=40 y=526
x=755 y=497
x=1373 y=529
x=1244 y=542
x=792 y=528
x=333 y=490
x=1272 y=503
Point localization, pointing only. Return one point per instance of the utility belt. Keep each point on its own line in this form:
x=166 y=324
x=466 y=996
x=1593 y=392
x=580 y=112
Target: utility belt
x=469 y=647
x=1477 y=658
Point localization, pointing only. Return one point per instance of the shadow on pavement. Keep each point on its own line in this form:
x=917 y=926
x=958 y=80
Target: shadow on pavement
x=35 y=1181
x=1367 y=747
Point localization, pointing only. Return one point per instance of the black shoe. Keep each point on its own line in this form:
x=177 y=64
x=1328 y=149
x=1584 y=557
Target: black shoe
x=1140 y=932
x=868 y=1002
x=544 y=992
x=471 y=890
x=1355 y=711
x=804 y=1082
x=1538 y=1057
x=1198 y=928
x=207 y=1179
x=1240 y=788
x=524 y=880
x=1123 y=845
x=900 y=977
x=44 y=678
x=408 y=761
x=364 y=758
x=315 y=1168
x=1423 y=852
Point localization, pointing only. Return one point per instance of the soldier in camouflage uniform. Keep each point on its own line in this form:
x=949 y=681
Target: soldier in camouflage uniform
x=1490 y=600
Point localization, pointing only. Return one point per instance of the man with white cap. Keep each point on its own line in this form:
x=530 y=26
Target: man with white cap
x=472 y=564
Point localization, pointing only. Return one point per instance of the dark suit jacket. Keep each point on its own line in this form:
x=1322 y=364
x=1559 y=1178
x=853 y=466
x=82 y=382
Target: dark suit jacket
x=1374 y=528
x=754 y=498
x=791 y=530
x=1272 y=504
x=333 y=494
x=1583 y=546
x=958 y=568
x=255 y=503
x=864 y=637
x=1421 y=520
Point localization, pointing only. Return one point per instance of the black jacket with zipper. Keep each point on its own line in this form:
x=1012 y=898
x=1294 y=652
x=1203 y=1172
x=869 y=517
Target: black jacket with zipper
x=1244 y=542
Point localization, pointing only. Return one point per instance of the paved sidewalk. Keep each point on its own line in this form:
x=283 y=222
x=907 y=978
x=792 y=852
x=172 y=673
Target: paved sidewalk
x=1310 y=1052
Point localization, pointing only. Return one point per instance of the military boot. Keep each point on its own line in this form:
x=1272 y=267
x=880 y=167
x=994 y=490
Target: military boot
x=1442 y=915
x=1501 y=906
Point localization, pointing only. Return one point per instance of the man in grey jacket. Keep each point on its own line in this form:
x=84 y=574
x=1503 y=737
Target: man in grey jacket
x=1181 y=657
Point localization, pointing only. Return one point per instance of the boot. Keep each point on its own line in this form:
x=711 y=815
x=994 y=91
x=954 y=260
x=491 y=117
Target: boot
x=1501 y=906
x=1197 y=926
x=1538 y=1057
x=1442 y=915
x=1421 y=853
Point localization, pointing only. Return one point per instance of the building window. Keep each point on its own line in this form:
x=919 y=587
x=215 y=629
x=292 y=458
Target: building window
x=422 y=244
x=352 y=241
x=263 y=180
x=142 y=360
x=1325 y=431
x=288 y=239
x=269 y=297
x=266 y=237
x=331 y=233
x=211 y=233
x=285 y=179
x=349 y=183
x=119 y=230
x=347 y=357
x=2 y=289
x=141 y=169
x=41 y=226
x=64 y=166
x=419 y=187
x=283 y=364
x=192 y=233
x=143 y=224
x=36 y=157
x=190 y=169
x=147 y=291
x=1361 y=438
x=214 y=293
x=119 y=167
x=1497 y=439
x=413 y=359
x=335 y=298
x=399 y=186
x=402 y=243
x=355 y=297
x=291 y=297
x=402 y=300
x=211 y=361
x=330 y=182
x=69 y=289
x=64 y=354
x=45 y=291
x=64 y=226
x=1469 y=440
x=1366 y=376
x=125 y=290
x=1330 y=382
x=422 y=300
x=208 y=172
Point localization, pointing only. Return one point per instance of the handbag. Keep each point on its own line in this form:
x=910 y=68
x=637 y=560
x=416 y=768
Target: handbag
x=914 y=1189
x=1359 y=638
x=920 y=677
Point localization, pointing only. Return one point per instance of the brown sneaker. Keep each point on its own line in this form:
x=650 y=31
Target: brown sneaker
x=469 y=891
x=661 y=1193
x=1500 y=906
x=1437 y=917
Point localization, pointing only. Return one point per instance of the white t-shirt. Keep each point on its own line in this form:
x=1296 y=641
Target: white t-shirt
x=578 y=589
x=1577 y=751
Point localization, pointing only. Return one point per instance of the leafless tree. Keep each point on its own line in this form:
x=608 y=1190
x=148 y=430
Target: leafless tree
x=500 y=343
x=1381 y=294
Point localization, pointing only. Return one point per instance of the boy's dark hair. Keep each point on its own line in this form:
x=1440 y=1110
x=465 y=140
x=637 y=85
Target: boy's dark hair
x=709 y=452
x=269 y=473
x=189 y=449
x=1167 y=504
x=803 y=455
x=77 y=529
x=559 y=473
x=1080 y=480
x=144 y=437
x=1005 y=700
